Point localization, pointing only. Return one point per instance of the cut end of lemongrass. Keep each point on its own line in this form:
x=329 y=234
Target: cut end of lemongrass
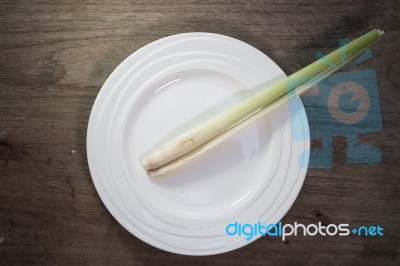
x=175 y=165
x=146 y=164
x=152 y=162
x=381 y=32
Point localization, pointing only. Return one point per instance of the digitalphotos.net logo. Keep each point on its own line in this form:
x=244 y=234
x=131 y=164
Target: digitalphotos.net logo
x=345 y=104
x=249 y=231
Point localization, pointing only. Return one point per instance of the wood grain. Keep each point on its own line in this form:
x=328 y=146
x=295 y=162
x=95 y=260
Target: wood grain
x=54 y=58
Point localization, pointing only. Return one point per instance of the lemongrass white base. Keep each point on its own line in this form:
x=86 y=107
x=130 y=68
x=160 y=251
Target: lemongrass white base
x=253 y=176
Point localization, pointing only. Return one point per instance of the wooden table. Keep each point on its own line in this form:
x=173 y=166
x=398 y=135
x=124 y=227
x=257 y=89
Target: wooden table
x=54 y=58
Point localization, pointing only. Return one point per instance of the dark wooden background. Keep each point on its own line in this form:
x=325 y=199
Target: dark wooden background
x=54 y=58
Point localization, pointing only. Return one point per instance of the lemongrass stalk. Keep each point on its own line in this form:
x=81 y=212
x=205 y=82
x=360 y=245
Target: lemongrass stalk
x=187 y=158
x=191 y=140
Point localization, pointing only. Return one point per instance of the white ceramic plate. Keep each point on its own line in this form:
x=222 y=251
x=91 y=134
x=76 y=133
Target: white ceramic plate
x=170 y=85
